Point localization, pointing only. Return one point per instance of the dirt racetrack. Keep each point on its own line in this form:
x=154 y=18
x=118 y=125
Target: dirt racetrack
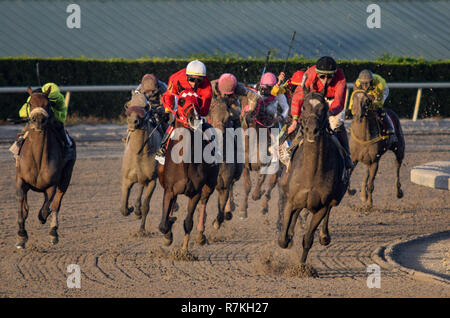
x=242 y=259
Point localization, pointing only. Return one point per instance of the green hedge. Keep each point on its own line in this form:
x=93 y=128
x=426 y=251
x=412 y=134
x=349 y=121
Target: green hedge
x=81 y=71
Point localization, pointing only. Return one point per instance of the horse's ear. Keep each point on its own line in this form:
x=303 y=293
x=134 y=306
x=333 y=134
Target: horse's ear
x=29 y=90
x=181 y=102
x=133 y=93
x=305 y=90
x=126 y=105
x=324 y=90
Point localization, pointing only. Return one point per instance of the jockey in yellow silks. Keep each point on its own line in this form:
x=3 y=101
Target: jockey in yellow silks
x=378 y=91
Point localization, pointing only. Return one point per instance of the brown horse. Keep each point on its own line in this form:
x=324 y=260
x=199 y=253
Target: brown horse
x=181 y=174
x=258 y=121
x=223 y=117
x=314 y=179
x=41 y=167
x=139 y=165
x=368 y=144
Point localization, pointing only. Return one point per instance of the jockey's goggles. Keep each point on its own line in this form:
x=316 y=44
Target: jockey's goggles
x=194 y=79
x=323 y=76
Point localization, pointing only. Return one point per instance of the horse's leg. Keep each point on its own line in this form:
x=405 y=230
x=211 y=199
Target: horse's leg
x=165 y=227
x=364 y=185
x=258 y=192
x=55 y=207
x=308 y=238
x=222 y=200
x=126 y=188
x=230 y=206
x=189 y=220
x=351 y=191
x=272 y=183
x=21 y=196
x=149 y=188
x=370 y=184
x=56 y=202
x=138 y=204
x=247 y=188
x=289 y=216
x=206 y=193
x=44 y=212
x=399 y=155
x=325 y=238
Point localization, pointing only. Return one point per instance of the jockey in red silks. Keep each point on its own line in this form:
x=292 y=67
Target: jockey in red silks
x=324 y=72
x=193 y=77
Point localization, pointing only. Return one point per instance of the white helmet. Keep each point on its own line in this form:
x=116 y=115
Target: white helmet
x=196 y=68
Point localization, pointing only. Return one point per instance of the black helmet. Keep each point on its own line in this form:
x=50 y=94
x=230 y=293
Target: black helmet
x=365 y=76
x=326 y=65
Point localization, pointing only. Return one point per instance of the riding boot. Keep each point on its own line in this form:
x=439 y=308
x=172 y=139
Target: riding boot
x=18 y=142
x=389 y=127
x=67 y=146
x=341 y=135
x=161 y=153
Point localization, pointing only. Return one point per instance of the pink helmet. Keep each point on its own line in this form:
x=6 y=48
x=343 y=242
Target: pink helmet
x=227 y=83
x=268 y=79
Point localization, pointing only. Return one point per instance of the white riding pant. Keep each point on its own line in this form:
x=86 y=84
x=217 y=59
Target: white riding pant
x=336 y=120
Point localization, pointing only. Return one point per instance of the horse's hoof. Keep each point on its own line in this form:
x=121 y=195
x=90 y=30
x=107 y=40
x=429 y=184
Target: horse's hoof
x=232 y=207
x=54 y=240
x=243 y=215
x=216 y=224
x=285 y=242
x=41 y=218
x=258 y=196
x=228 y=216
x=325 y=240
x=400 y=194
x=138 y=214
x=20 y=246
x=168 y=239
x=351 y=191
x=201 y=239
x=127 y=211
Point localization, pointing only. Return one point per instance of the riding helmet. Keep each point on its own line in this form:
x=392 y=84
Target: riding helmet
x=326 y=65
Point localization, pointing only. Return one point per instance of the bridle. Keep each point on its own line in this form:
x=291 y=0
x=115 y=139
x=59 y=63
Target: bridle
x=364 y=108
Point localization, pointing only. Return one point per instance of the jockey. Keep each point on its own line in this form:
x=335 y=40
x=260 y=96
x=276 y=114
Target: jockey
x=58 y=108
x=289 y=86
x=324 y=72
x=271 y=102
x=227 y=86
x=153 y=89
x=378 y=91
x=193 y=77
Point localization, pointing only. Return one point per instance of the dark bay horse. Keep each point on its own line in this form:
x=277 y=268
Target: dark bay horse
x=258 y=121
x=222 y=116
x=139 y=165
x=41 y=167
x=314 y=180
x=181 y=174
x=368 y=144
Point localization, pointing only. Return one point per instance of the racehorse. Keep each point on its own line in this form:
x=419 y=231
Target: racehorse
x=42 y=167
x=222 y=116
x=315 y=177
x=139 y=165
x=195 y=180
x=262 y=123
x=368 y=144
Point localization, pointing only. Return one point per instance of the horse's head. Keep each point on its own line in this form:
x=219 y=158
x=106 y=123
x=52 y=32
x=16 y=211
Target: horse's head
x=187 y=113
x=360 y=104
x=220 y=114
x=136 y=110
x=39 y=109
x=314 y=117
